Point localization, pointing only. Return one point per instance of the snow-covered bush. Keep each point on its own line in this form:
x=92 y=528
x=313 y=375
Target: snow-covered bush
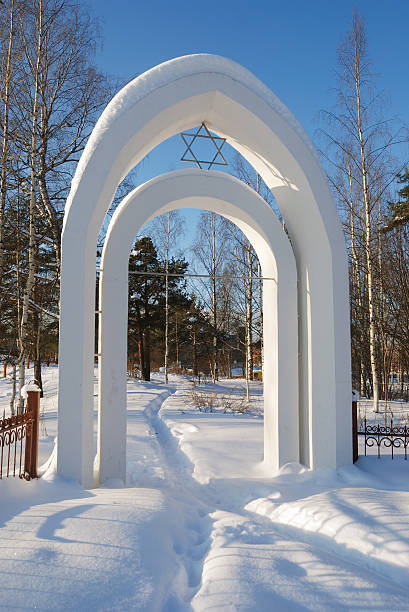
x=209 y=401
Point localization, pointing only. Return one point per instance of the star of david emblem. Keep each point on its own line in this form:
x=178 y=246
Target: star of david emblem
x=217 y=142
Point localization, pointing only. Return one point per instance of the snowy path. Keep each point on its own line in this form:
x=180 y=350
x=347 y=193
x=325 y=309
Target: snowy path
x=233 y=557
x=198 y=527
x=140 y=547
x=97 y=550
x=254 y=563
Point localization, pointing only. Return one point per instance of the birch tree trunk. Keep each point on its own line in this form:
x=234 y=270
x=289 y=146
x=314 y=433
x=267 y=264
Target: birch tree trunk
x=260 y=305
x=356 y=282
x=167 y=298
x=166 y=230
x=249 y=319
x=245 y=261
x=5 y=140
x=368 y=225
x=176 y=340
x=13 y=390
x=215 y=370
x=27 y=293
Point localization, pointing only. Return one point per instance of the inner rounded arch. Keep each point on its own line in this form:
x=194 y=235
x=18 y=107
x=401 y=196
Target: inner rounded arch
x=229 y=197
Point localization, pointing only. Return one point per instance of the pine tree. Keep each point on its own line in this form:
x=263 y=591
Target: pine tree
x=147 y=297
x=399 y=211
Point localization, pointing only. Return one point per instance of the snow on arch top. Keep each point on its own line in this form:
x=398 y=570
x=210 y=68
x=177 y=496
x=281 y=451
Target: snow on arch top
x=178 y=68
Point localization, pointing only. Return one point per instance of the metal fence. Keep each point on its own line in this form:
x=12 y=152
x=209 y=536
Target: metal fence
x=19 y=441
x=386 y=436
x=389 y=437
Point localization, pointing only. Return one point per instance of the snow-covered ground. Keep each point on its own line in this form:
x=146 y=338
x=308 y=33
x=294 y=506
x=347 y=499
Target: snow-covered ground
x=198 y=525
x=396 y=410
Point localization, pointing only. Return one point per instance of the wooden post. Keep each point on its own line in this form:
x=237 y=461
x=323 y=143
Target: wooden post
x=28 y=362
x=5 y=369
x=354 y=431
x=194 y=354
x=31 y=454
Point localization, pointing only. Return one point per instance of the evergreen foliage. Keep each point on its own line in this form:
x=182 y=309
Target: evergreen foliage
x=399 y=211
x=146 y=307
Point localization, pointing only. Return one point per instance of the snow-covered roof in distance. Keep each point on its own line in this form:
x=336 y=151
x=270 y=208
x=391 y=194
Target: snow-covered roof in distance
x=240 y=371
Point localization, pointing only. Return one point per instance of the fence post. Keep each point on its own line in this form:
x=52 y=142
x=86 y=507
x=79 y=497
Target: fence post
x=354 y=431
x=31 y=453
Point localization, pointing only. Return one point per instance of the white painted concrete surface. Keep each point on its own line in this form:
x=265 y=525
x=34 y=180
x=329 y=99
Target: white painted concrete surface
x=227 y=196
x=234 y=104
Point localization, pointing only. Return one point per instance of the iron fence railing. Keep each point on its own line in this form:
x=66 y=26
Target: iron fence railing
x=377 y=435
x=387 y=436
x=19 y=441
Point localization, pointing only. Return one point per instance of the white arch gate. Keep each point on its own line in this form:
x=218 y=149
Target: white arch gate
x=228 y=196
x=172 y=97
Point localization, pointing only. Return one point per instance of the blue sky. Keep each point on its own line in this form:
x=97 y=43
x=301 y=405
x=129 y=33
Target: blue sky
x=291 y=46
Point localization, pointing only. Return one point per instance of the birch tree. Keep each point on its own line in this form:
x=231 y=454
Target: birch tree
x=70 y=96
x=248 y=175
x=246 y=264
x=166 y=231
x=359 y=141
x=212 y=255
x=50 y=95
x=7 y=13
x=33 y=58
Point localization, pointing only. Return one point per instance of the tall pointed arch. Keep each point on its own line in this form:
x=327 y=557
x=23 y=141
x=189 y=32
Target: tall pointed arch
x=234 y=104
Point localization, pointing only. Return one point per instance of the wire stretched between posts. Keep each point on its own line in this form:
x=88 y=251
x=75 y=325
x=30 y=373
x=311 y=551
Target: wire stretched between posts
x=188 y=275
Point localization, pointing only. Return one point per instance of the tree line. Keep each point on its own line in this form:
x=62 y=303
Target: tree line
x=202 y=316
x=50 y=97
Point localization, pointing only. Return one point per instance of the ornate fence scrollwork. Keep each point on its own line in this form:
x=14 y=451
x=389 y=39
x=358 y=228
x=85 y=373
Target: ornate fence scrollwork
x=387 y=436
